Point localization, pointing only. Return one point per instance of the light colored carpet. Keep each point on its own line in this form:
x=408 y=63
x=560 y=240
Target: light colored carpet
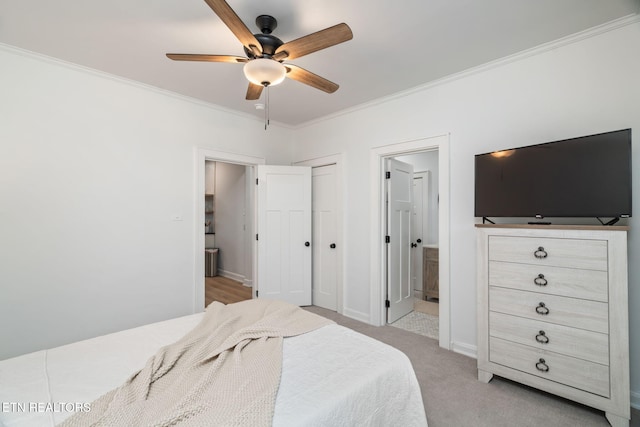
x=453 y=396
x=419 y=323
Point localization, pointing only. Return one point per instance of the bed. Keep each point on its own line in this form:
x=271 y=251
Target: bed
x=331 y=376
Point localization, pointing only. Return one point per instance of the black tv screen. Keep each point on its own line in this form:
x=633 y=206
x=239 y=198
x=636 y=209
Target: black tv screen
x=588 y=176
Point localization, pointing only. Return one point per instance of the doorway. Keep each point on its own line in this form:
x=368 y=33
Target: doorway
x=203 y=155
x=228 y=207
x=268 y=197
x=377 y=253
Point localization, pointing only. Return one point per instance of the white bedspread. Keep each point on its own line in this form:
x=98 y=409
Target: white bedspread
x=330 y=377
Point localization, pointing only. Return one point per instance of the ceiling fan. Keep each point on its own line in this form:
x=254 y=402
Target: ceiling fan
x=265 y=53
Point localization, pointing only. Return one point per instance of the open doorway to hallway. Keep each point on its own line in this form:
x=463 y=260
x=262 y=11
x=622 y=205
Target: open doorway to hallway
x=228 y=223
x=224 y=290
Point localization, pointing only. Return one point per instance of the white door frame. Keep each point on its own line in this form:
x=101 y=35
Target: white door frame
x=378 y=267
x=338 y=160
x=202 y=155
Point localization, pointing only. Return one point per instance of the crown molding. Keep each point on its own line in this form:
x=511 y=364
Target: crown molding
x=134 y=83
x=534 y=51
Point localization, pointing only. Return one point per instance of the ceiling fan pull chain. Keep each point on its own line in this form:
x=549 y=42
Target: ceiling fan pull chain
x=267 y=118
x=266 y=107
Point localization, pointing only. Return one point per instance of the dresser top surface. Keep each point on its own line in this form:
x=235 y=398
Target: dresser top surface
x=557 y=227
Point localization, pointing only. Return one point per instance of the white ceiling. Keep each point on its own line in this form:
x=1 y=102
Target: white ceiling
x=396 y=45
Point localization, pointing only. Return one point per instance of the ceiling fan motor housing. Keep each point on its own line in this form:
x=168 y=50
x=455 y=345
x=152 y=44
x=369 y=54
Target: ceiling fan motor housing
x=266 y=24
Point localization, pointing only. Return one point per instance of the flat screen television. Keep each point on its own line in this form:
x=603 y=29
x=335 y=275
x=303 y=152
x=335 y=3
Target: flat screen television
x=588 y=176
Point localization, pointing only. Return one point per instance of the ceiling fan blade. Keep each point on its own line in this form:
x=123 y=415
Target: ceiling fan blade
x=253 y=92
x=235 y=24
x=313 y=42
x=307 y=77
x=206 y=58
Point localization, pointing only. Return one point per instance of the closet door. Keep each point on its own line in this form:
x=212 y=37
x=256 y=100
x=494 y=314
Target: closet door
x=325 y=236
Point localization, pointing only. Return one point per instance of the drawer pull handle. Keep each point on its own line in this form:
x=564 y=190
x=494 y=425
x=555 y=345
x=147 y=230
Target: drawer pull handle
x=542 y=366
x=540 y=280
x=542 y=309
x=542 y=338
x=540 y=253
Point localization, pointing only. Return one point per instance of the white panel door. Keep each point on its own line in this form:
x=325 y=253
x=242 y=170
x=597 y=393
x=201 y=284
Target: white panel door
x=284 y=233
x=325 y=248
x=399 y=213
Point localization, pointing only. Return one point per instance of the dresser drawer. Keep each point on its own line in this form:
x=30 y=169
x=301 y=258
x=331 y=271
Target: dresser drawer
x=578 y=373
x=571 y=253
x=576 y=313
x=591 y=346
x=569 y=282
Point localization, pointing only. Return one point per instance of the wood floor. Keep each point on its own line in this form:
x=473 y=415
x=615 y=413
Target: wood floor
x=224 y=290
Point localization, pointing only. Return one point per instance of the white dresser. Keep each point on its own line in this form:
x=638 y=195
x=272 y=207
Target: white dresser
x=553 y=311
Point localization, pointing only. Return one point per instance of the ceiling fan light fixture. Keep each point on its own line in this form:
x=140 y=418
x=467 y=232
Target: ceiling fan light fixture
x=264 y=72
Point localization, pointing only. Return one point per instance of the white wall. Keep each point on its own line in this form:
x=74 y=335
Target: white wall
x=569 y=89
x=230 y=218
x=93 y=169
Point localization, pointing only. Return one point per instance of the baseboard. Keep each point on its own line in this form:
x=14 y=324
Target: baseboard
x=465 y=349
x=248 y=283
x=357 y=315
x=635 y=399
x=231 y=275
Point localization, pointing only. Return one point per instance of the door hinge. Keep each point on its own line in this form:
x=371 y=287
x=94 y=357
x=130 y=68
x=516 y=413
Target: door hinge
x=256 y=237
x=257 y=294
x=387 y=175
x=386 y=303
x=256 y=181
x=387 y=239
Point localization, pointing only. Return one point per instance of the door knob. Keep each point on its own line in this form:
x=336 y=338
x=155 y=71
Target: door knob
x=332 y=246
x=413 y=245
x=307 y=243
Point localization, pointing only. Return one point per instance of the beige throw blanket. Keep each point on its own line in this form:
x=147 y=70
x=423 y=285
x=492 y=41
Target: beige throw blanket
x=225 y=372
